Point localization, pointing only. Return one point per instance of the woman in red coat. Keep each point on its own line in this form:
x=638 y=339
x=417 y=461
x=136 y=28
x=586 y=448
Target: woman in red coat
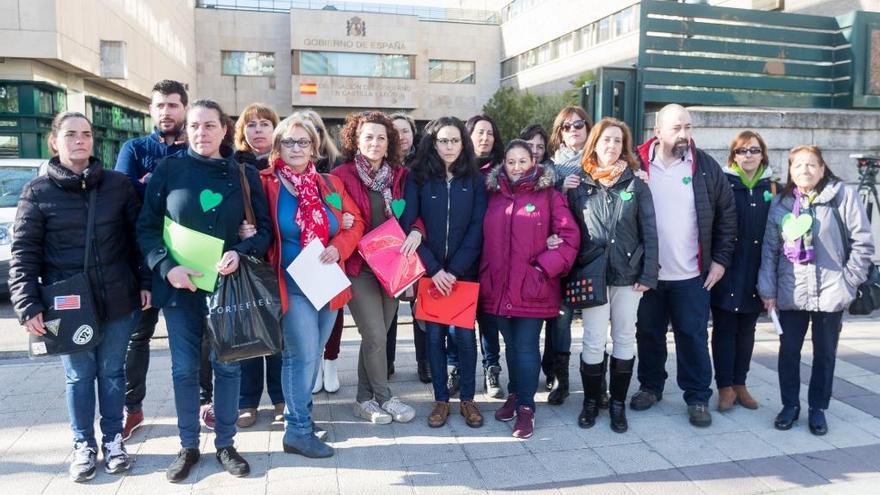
x=304 y=205
x=519 y=275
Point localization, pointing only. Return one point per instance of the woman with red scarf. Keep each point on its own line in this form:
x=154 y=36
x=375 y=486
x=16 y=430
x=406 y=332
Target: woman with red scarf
x=374 y=178
x=304 y=206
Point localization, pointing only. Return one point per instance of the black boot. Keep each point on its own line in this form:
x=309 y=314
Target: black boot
x=621 y=374
x=591 y=375
x=603 y=391
x=560 y=368
x=424 y=370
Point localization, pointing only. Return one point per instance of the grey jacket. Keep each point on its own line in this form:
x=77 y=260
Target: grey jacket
x=829 y=282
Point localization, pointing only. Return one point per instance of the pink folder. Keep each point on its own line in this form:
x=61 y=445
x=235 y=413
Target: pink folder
x=380 y=248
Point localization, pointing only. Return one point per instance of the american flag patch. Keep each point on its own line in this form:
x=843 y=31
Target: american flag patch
x=66 y=302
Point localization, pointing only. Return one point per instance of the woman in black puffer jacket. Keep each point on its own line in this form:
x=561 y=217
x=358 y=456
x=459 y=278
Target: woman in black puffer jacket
x=49 y=245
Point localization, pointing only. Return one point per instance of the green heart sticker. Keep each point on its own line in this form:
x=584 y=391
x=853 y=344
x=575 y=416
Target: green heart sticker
x=793 y=227
x=626 y=195
x=333 y=199
x=397 y=206
x=530 y=207
x=768 y=196
x=209 y=199
x=686 y=180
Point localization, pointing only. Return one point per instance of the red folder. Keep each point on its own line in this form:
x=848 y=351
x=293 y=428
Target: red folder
x=458 y=309
x=380 y=248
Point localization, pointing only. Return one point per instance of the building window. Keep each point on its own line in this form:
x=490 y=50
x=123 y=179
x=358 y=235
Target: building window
x=9 y=147
x=625 y=21
x=8 y=99
x=50 y=102
x=451 y=71
x=355 y=64
x=248 y=64
x=604 y=28
x=113 y=62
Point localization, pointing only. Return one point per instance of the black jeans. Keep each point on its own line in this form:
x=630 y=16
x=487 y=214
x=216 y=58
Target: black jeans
x=685 y=304
x=391 y=343
x=825 y=334
x=733 y=339
x=137 y=363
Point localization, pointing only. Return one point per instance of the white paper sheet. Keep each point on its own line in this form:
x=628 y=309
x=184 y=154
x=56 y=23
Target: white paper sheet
x=319 y=282
x=774 y=317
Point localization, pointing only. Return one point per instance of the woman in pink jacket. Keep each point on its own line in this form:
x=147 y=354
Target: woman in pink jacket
x=519 y=275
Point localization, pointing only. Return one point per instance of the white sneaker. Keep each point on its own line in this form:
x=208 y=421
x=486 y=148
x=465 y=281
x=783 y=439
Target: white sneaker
x=319 y=380
x=116 y=459
x=82 y=467
x=331 y=377
x=401 y=412
x=371 y=411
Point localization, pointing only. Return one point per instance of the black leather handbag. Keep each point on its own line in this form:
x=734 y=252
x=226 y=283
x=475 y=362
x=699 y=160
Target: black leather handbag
x=71 y=318
x=868 y=293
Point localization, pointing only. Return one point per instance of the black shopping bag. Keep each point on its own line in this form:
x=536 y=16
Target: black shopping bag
x=244 y=313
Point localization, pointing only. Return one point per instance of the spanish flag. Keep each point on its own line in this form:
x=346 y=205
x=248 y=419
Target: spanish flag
x=308 y=88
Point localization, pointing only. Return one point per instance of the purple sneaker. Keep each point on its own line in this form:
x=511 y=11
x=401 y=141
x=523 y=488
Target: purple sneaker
x=508 y=410
x=525 y=422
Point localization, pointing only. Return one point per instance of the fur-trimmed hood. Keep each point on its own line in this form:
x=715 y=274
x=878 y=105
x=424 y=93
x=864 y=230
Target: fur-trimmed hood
x=544 y=179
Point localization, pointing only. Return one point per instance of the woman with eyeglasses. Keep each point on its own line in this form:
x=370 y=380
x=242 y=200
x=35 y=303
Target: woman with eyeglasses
x=327 y=159
x=301 y=212
x=735 y=303
x=374 y=178
x=567 y=139
x=447 y=193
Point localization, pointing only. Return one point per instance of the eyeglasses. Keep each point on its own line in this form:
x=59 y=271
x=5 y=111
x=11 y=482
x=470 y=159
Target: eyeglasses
x=290 y=143
x=577 y=124
x=754 y=150
x=447 y=142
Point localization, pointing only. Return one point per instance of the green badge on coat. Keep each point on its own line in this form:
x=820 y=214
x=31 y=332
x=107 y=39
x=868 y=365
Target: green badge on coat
x=626 y=195
x=768 y=196
x=793 y=227
x=686 y=180
x=530 y=207
x=333 y=199
x=397 y=206
x=209 y=199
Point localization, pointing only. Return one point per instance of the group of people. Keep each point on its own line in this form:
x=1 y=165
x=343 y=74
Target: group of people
x=679 y=236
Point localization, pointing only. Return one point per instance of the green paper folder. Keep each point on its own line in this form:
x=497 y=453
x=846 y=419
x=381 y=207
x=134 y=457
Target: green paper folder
x=194 y=250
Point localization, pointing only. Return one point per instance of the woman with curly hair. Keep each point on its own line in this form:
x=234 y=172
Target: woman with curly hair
x=373 y=176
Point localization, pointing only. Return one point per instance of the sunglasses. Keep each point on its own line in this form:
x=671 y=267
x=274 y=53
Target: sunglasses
x=754 y=150
x=577 y=124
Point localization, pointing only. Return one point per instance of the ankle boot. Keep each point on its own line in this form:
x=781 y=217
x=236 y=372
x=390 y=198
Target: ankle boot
x=560 y=369
x=726 y=398
x=744 y=397
x=603 y=391
x=547 y=366
x=621 y=374
x=591 y=375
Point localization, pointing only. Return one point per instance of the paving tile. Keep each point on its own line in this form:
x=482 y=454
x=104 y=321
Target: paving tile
x=662 y=482
x=687 y=451
x=836 y=465
x=632 y=458
x=743 y=445
x=509 y=472
x=447 y=478
x=782 y=473
x=573 y=465
x=554 y=439
x=726 y=478
x=374 y=482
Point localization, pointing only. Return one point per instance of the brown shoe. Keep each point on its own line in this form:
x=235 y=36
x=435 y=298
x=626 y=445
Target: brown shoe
x=726 y=398
x=247 y=417
x=471 y=414
x=744 y=397
x=438 y=416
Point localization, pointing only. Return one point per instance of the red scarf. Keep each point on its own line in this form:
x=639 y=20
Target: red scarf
x=311 y=217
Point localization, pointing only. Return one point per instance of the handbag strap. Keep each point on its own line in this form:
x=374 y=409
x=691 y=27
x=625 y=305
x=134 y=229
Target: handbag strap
x=246 y=193
x=847 y=246
x=90 y=226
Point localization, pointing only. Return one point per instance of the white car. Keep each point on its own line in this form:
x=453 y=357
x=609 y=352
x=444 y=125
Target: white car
x=14 y=174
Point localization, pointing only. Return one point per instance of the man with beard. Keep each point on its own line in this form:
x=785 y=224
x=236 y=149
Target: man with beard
x=696 y=227
x=137 y=159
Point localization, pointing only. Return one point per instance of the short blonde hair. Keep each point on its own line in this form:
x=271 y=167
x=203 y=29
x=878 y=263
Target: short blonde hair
x=287 y=125
x=250 y=112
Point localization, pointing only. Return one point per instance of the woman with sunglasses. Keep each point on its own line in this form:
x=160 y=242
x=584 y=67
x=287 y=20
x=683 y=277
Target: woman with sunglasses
x=570 y=130
x=735 y=302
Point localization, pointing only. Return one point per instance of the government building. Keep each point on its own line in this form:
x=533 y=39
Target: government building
x=102 y=57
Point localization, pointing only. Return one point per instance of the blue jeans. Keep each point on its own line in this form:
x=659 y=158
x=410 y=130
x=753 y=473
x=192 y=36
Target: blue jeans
x=685 y=304
x=466 y=343
x=490 y=346
x=185 y=321
x=252 y=381
x=522 y=341
x=306 y=332
x=106 y=364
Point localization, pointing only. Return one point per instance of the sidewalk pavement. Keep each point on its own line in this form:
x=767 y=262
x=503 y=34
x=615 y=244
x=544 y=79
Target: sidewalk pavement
x=741 y=453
